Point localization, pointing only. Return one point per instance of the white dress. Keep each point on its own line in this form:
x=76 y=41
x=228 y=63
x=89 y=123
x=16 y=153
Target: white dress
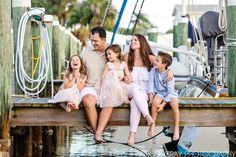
x=113 y=92
x=67 y=95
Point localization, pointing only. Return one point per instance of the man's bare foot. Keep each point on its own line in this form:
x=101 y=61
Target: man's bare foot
x=151 y=130
x=131 y=138
x=149 y=120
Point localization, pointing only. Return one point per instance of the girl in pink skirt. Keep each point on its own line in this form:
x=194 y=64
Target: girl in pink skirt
x=112 y=89
x=73 y=82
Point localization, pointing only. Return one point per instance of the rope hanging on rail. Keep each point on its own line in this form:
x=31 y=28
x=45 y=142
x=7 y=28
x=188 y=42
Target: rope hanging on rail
x=29 y=85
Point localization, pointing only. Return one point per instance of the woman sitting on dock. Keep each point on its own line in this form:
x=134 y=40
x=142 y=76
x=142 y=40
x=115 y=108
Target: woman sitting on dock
x=140 y=59
x=73 y=82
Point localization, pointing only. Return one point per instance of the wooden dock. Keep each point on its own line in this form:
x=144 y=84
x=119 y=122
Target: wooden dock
x=193 y=111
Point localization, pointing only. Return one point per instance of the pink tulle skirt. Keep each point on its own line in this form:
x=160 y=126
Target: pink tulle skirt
x=112 y=92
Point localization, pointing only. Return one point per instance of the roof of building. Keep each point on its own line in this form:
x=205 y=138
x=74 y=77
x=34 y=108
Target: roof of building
x=196 y=9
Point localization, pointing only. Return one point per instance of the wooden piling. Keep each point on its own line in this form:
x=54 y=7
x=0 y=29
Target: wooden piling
x=62 y=50
x=5 y=75
x=36 y=43
x=67 y=45
x=152 y=34
x=55 y=50
x=73 y=45
x=47 y=141
x=231 y=34
x=18 y=9
x=182 y=32
x=47 y=20
x=175 y=23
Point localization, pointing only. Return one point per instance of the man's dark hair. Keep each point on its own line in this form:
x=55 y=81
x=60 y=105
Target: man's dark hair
x=100 y=30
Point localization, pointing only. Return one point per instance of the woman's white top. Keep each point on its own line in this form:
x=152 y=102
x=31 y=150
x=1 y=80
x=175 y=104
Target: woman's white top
x=140 y=78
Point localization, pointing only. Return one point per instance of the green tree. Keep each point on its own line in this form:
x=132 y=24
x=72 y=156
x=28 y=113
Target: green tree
x=89 y=14
x=60 y=8
x=143 y=24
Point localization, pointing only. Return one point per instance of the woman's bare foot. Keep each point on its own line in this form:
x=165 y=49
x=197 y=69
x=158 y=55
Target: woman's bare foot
x=151 y=130
x=149 y=120
x=98 y=138
x=131 y=138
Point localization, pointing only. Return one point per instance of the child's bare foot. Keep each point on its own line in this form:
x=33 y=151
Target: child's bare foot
x=131 y=138
x=72 y=105
x=160 y=108
x=149 y=120
x=69 y=107
x=151 y=130
x=176 y=134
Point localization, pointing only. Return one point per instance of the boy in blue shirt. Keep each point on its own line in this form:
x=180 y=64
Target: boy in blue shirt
x=162 y=92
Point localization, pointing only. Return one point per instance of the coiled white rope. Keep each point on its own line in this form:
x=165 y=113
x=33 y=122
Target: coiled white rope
x=30 y=86
x=222 y=20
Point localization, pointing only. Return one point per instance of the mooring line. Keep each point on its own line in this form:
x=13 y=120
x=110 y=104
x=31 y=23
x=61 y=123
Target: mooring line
x=123 y=143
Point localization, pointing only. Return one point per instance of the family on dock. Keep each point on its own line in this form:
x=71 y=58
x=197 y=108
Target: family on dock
x=102 y=75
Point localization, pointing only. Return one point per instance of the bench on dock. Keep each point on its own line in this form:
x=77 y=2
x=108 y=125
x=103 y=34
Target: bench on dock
x=193 y=111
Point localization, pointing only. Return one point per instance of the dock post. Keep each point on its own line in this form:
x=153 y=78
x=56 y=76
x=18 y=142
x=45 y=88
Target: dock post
x=231 y=78
x=18 y=9
x=152 y=34
x=6 y=53
x=231 y=34
x=74 y=45
x=48 y=19
x=62 y=50
x=182 y=33
x=67 y=45
x=56 y=50
x=175 y=23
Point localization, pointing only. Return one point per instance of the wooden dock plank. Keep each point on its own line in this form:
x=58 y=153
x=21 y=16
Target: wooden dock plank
x=193 y=111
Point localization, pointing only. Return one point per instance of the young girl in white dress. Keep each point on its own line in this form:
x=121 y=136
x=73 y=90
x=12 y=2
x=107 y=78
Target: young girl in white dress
x=112 y=89
x=73 y=82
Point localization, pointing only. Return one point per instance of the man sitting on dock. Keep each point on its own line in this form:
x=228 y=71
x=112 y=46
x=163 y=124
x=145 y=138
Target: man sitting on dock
x=95 y=59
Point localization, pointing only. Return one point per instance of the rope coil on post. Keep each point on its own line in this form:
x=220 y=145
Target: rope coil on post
x=30 y=86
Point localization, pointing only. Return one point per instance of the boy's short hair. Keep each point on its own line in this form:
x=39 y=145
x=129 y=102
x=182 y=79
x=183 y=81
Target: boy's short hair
x=166 y=58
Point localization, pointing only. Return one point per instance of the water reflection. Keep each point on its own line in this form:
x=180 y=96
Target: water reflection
x=79 y=142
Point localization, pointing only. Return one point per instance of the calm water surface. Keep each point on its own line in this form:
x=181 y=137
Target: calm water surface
x=79 y=142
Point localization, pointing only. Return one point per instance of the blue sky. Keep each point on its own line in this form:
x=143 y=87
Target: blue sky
x=158 y=11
